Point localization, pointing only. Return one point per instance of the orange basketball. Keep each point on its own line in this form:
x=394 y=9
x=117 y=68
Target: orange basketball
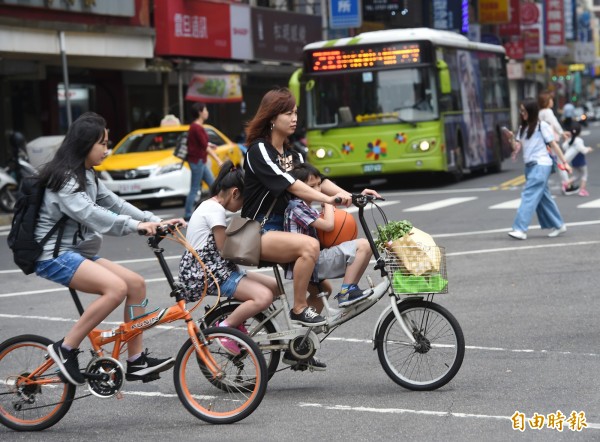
x=344 y=229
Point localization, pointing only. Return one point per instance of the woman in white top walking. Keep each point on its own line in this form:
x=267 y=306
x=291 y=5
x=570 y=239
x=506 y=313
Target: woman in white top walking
x=533 y=137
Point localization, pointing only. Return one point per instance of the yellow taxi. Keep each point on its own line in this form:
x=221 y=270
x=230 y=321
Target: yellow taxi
x=142 y=165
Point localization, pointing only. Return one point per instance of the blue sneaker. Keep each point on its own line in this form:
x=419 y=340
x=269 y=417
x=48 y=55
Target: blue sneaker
x=352 y=296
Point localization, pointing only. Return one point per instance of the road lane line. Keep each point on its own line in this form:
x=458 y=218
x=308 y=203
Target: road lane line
x=440 y=204
x=590 y=425
x=330 y=338
x=512 y=204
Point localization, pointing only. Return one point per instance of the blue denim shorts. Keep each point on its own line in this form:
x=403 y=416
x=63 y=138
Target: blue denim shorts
x=62 y=268
x=229 y=287
x=274 y=222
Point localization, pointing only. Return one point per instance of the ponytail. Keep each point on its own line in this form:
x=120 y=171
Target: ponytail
x=229 y=176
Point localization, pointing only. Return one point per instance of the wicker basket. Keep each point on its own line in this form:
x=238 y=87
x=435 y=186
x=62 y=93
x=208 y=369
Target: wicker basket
x=407 y=282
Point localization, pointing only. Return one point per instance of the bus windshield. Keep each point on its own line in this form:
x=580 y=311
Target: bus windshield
x=372 y=97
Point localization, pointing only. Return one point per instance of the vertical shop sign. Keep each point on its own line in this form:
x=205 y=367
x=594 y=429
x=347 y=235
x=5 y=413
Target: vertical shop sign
x=493 y=12
x=447 y=15
x=555 y=31
x=568 y=14
x=514 y=27
x=531 y=30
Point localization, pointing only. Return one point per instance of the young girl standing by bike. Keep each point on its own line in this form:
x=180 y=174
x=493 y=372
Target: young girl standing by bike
x=206 y=234
x=72 y=189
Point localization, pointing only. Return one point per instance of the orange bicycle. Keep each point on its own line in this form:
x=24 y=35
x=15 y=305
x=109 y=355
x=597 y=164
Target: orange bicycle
x=212 y=384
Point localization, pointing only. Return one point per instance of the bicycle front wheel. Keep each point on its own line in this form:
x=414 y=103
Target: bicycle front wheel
x=435 y=355
x=31 y=402
x=232 y=391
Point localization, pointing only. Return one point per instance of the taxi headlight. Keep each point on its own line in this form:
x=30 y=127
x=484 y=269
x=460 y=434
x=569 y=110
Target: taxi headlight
x=170 y=168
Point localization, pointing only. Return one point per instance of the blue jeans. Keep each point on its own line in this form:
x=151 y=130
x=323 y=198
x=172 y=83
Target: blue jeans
x=200 y=172
x=536 y=197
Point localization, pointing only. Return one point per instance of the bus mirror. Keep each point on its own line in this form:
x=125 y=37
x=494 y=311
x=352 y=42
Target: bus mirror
x=294 y=85
x=445 y=86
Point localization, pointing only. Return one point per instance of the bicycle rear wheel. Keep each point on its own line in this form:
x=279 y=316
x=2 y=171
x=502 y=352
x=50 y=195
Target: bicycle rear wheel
x=257 y=325
x=31 y=402
x=435 y=356
x=237 y=390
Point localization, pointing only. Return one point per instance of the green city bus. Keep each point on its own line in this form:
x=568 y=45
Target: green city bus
x=403 y=100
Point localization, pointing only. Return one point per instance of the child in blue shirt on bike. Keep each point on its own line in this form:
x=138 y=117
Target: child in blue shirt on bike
x=348 y=259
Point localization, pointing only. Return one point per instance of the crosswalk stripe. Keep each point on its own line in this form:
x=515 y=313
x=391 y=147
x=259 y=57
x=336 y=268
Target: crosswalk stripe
x=512 y=204
x=595 y=204
x=440 y=204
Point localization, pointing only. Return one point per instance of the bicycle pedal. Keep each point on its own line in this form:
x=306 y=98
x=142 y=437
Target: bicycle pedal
x=151 y=377
x=145 y=379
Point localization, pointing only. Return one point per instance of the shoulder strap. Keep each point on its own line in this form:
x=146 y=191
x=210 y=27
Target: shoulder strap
x=60 y=226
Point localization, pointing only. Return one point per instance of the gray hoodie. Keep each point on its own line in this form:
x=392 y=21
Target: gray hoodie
x=91 y=214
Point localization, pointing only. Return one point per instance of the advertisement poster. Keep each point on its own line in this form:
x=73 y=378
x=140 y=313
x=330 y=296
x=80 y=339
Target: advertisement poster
x=212 y=88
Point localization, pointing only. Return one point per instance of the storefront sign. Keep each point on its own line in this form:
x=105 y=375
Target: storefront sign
x=215 y=88
x=279 y=35
x=514 y=27
x=195 y=29
x=345 y=14
x=121 y=8
x=515 y=49
x=493 y=12
x=447 y=15
x=555 y=31
x=531 y=30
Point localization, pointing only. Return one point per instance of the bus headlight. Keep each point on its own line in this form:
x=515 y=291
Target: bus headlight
x=320 y=153
x=424 y=146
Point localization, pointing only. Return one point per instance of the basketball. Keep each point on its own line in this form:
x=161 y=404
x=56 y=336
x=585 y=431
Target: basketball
x=344 y=229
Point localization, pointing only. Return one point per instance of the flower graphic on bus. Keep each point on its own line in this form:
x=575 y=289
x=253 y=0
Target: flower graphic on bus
x=400 y=138
x=347 y=148
x=376 y=149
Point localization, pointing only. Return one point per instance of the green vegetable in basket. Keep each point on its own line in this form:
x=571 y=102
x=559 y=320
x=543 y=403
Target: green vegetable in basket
x=391 y=231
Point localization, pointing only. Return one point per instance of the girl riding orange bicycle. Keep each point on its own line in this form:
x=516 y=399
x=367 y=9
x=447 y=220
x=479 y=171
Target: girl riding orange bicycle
x=72 y=260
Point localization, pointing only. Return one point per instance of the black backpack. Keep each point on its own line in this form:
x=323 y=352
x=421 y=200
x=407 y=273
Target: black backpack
x=181 y=148
x=21 y=239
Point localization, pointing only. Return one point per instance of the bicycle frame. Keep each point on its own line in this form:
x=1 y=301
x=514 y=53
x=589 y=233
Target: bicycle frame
x=334 y=317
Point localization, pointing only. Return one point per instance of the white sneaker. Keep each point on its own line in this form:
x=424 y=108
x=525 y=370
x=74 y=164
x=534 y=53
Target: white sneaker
x=517 y=234
x=555 y=232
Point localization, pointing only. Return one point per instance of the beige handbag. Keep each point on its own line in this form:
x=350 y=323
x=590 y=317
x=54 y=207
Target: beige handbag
x=242 y=240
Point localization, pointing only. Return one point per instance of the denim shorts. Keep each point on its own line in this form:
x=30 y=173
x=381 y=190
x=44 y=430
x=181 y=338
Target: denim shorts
x=229 y=287
x=274 y=223
x=62 y=268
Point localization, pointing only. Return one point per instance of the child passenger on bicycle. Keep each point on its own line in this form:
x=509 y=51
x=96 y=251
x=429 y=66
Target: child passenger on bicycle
x=206 y=234
x=72 y=189
x=348 y=259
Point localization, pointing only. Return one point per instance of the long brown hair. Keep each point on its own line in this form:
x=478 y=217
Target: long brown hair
x=532 y=108
x=275 y=102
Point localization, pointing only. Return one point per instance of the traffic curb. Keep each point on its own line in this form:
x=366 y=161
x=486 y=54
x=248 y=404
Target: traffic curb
x=5 y=219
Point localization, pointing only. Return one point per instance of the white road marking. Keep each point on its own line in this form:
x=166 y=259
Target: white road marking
x=590 y=425
x=440 y=204
x=595 y=204
x=512 y=204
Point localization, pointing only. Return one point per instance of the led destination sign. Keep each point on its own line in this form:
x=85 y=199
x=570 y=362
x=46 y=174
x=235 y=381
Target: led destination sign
x=340 y=59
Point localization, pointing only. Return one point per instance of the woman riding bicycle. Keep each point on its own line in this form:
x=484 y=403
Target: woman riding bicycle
x=72 y=189
x=268 y=161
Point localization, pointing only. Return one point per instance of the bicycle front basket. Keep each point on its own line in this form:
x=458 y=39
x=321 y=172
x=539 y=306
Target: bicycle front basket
x=403 y=262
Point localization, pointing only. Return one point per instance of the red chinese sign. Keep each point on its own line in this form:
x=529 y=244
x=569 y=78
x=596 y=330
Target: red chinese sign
x=515 y=49
x=192 y=29
x=514 y=27
x=555 y=30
